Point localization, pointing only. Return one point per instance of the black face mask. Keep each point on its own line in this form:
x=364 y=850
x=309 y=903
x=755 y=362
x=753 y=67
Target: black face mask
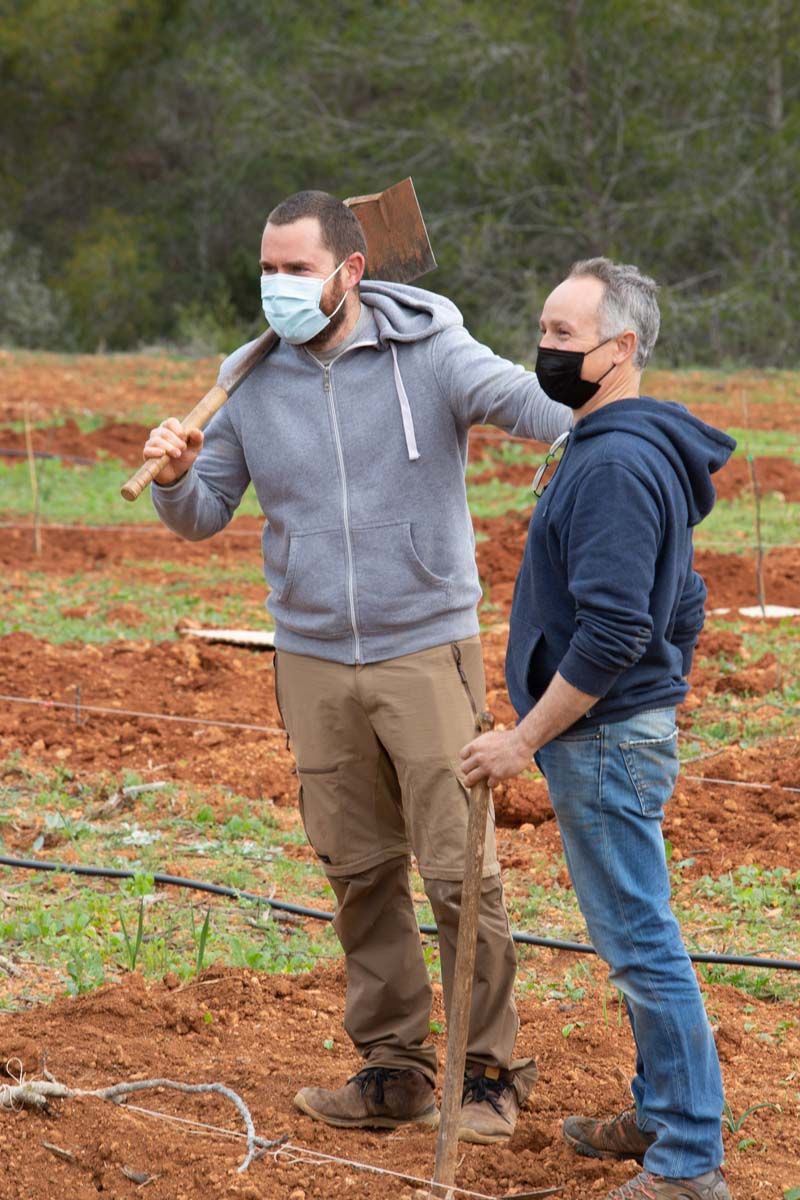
x=559 y=373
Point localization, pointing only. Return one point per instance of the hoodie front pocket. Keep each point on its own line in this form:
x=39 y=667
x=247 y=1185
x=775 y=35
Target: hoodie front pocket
x=314 y=599
x=522 y=644
x=393 y=585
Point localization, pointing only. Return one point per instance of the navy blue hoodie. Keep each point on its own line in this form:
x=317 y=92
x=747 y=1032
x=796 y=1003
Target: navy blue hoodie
x=606 y=594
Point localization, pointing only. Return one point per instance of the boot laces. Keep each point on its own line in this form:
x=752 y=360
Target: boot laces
x=635 y=1189
x=477 y=1089
x=373 y=1077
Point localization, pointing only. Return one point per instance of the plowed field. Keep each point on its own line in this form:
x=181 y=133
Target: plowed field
x=736 y=805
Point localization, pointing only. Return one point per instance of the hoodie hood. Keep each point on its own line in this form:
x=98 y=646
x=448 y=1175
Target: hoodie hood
x=694 y=450
x=407 y=314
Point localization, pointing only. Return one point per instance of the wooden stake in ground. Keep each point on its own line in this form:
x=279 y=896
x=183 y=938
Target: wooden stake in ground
x=37 y=532
x=444 y=1172
x=760 y=589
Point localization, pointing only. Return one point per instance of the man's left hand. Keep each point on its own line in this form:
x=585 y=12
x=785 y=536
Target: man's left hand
x=495 y=756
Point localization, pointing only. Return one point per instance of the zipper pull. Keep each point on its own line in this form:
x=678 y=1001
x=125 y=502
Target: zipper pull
x=326 y=378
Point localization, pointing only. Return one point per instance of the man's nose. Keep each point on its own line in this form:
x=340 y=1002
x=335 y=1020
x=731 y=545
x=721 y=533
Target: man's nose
x=547 y=342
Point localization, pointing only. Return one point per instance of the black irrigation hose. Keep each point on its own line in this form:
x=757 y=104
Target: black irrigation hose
x=318 y=914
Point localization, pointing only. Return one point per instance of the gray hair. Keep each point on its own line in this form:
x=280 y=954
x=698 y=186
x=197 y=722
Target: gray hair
x=629 y=302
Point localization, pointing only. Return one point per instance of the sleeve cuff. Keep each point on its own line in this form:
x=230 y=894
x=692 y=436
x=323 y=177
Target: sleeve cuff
x=178 y=490
x=586 y=675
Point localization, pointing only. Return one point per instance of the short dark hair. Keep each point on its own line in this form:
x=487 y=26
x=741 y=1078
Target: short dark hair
x=340 y=228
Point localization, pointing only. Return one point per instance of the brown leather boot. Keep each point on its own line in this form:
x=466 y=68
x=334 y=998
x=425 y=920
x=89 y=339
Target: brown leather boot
x=377 y=1097
x=615 y=1137
x=711 y=1186
x=492 y=1100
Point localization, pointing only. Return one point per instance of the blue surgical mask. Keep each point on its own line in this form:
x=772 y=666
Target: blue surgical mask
x=291 y=305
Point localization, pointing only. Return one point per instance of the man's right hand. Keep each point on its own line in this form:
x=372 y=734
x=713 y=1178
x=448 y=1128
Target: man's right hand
x=182 y=446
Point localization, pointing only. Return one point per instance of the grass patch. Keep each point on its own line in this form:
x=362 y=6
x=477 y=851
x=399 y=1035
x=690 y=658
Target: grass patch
x=726 y=717
x=88 y=932
x=701 y=385
x=504 y=454
x=730 y=521
x=86 y=494
x=733 y=521
x=494 y=498
x=765 y=443
x=87 y=422
x=775 y=637
x=44 y=605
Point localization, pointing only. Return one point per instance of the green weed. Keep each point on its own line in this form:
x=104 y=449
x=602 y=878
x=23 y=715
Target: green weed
x=201 y=940
x=132 y=947
x=734 y=1124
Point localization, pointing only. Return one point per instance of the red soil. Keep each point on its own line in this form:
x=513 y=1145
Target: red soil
x=265 y=1039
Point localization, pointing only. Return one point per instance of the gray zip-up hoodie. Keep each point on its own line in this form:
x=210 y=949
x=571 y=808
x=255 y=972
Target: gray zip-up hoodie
x=359 y=468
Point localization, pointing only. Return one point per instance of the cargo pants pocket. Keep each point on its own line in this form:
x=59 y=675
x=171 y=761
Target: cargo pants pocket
x=319 y=811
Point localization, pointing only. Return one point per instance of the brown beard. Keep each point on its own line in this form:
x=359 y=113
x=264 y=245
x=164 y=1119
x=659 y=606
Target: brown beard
x=321 y=340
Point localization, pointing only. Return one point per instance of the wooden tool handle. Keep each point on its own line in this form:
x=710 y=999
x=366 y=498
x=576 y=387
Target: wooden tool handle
x=203 y=411
x=461 y=999
x=197 y=418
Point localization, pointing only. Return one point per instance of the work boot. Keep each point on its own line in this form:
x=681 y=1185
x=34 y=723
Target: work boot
x=711 y=1186
x=616 y=1137
x=377 y=1097
x=492 y=1099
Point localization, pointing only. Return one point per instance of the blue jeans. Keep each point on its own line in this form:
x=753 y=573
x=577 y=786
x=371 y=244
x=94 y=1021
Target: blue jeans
x=608 y=787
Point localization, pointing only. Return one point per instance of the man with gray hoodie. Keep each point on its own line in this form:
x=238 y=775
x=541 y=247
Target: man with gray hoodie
x=354 y=435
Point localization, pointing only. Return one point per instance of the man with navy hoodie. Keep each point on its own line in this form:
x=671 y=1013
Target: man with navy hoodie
x=606 y=613
x=354 y=435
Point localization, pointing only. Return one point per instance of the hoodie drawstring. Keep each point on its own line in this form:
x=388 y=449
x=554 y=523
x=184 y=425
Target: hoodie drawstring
x=405 y=409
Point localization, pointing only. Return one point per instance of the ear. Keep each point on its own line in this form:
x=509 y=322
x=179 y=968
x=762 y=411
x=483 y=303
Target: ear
x=353 y=269
x=626 y=345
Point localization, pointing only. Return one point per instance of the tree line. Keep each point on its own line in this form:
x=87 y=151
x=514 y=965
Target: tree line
x=142 y=143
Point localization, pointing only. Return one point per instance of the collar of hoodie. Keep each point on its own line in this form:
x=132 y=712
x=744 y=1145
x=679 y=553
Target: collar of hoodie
x=402 y=395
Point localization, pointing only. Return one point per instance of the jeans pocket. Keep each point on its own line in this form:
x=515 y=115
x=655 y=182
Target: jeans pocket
x=652 y=764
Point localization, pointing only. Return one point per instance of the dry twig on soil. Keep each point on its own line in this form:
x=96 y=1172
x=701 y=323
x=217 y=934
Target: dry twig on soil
x=37 y=1093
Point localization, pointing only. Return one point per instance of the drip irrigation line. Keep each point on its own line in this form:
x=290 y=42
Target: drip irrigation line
x=318 y=914
x=79 y=708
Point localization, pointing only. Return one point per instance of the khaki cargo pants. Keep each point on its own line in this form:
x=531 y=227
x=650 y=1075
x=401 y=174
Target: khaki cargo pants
x=377 y=750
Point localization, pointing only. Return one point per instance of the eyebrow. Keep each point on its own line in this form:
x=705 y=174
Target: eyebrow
x=293 y=266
